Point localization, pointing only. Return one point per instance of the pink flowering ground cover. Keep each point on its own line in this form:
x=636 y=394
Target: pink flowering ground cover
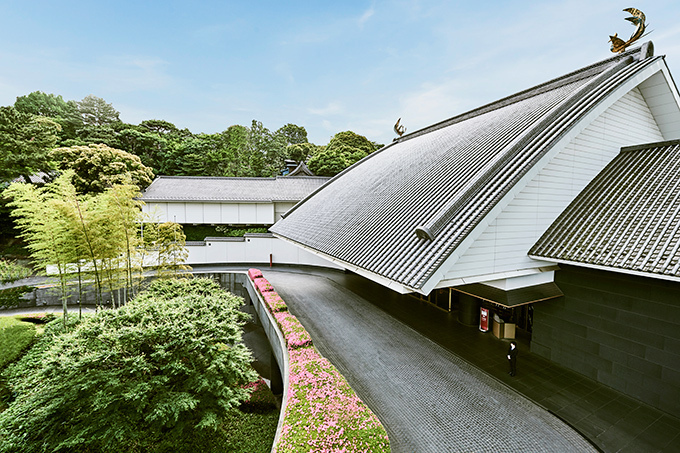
x=323 y=412
x=263 y=285
x=293 y=331
x=274 y=302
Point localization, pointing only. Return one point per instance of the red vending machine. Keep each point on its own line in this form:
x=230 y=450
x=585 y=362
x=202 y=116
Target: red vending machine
x=484 y=319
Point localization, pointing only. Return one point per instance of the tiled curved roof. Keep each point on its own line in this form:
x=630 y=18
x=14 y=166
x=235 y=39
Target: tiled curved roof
x=627 y=218
x=403 y=210
x=213 y=189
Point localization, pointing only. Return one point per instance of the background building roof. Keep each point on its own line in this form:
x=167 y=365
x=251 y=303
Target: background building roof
x=627 y=218
x=213 y=189
x=402 y=211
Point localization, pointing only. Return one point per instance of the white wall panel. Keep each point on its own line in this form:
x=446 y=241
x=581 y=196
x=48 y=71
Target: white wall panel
x=194 y=213
x=503 y=246
x=247 y=213
x=265 y=213
x=230 y=213
x=176 y=212
x=212 y=213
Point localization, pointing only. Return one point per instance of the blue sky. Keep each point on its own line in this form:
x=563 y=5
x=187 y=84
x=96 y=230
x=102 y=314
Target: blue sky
x=327 y=66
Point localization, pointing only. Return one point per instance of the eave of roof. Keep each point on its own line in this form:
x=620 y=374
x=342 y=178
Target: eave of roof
x=228 y=189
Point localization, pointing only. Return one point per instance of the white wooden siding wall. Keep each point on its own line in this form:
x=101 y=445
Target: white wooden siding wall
x=503 y=246
x=213 y=213
x=254 y=250
x=282 y=208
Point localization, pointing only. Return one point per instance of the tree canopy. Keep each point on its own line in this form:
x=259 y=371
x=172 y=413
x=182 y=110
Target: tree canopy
x=344 y=149
x=154 y=375
x=25 y=143
x=97 y=167
x=241 y=151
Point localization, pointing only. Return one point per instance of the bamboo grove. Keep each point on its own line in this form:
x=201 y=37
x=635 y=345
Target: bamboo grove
x=100 y=240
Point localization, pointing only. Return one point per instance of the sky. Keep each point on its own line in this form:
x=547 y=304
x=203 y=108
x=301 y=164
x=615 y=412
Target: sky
x=328 y=66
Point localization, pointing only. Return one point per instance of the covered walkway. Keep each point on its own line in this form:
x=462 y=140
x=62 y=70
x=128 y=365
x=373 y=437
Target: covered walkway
x=438 y=385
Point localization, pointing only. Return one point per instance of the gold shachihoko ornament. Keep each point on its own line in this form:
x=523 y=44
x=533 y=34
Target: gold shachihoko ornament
x=638 y=19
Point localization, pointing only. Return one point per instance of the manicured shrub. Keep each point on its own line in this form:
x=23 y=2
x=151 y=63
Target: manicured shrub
x=166 y=369
x=274 y=302
x=15 y=337
x=293 y=331
x=263 y=285
x=262 y=400
x=254 y=273
x=323 y=412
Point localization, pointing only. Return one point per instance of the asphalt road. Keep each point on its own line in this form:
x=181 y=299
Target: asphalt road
x=428 y=399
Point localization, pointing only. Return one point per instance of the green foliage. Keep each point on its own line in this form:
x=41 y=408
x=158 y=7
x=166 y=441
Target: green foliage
x=65 y=113
x=25 y=142
x=352 y=140
x=10 y=271
x=302 y=151
x=11 y=297
x=344 y=150
x=97 y=167
x=166 y=370
x=84 y=236
x=15 y=337
x=236 y=232
x=96 y=111
x=293 y=134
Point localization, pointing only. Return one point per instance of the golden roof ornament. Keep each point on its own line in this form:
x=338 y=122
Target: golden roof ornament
x=399 y=129
x=638 y=20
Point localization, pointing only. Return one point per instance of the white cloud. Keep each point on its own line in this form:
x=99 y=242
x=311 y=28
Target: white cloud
x=432 y=103
x=366 y=16
x=332 y=108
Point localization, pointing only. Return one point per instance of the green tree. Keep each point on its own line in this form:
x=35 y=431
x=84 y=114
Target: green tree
x=45 y=230
x=161 y=370
x=292 y=134
x=344 y=150
x=302 y=151
x=25 y=144
x=97 y=167
x=65 y=113
x=96 y=111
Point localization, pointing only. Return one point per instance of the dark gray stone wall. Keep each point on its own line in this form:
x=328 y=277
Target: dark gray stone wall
x=621 y=330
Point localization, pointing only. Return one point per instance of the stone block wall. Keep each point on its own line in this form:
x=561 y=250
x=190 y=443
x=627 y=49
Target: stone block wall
x=621 y=330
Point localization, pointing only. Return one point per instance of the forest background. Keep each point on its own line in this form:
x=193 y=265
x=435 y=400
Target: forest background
x=43 y=134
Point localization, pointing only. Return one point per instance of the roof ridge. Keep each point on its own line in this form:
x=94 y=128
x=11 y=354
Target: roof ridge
x=644 y=146
x=573 y=76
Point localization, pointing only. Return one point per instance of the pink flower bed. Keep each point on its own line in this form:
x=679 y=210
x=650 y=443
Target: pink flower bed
x=254 y=273
x=274 y=302
x=295 y=334
x=323 y=412
x=263 y=285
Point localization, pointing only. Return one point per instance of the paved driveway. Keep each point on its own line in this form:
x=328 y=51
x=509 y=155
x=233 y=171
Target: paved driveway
x=428 y=399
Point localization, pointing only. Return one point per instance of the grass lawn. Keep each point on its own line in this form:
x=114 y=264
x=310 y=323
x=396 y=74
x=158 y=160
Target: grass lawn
x=15 y=337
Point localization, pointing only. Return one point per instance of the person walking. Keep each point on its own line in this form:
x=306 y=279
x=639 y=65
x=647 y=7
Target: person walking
x=512 y=358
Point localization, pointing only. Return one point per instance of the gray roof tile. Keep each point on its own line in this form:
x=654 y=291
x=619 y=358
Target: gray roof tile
x=247 y=190
x=443 y=180
x=627 y=218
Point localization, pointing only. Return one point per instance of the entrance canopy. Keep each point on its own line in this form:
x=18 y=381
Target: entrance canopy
x=511 y=298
